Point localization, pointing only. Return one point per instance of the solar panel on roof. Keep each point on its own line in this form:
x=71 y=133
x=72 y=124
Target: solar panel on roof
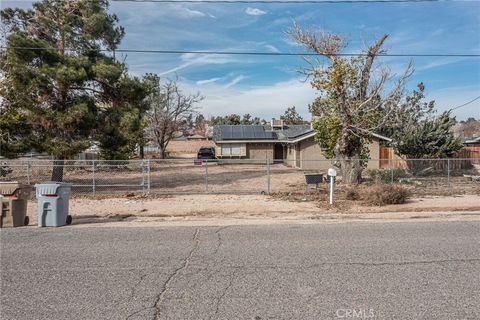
x=258 y=132
x=248 y=132
x=237 y=132
x=226 y=132
x=244 y=132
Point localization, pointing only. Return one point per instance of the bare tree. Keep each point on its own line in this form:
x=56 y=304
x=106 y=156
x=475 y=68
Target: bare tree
x=352 y=96
x=168 y=112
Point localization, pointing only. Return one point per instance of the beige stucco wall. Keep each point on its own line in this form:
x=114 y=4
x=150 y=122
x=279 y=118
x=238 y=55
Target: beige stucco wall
x=290 y=155
x=374 y=147
x=260 y=151
x=310 y=150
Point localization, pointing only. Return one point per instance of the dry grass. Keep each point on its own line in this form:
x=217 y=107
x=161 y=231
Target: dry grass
x=384 y=194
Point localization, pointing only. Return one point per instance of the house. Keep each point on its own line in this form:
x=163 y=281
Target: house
x=293 y=145
x=472 y=142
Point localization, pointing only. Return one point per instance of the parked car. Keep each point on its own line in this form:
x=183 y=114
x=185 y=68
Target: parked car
x=206 y=153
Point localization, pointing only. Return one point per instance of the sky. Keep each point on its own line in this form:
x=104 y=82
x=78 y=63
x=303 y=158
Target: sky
x=265 y=86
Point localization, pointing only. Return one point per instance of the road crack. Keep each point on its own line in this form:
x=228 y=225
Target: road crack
x=219 y=239
x=224 y=292
x=183 y=266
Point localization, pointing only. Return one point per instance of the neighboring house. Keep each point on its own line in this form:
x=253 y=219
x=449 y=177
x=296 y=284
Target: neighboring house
x=196 y=137
x=473 y=142
x=293 y=145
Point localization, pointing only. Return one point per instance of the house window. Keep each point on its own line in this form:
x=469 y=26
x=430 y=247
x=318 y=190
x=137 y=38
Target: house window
x=230 y=149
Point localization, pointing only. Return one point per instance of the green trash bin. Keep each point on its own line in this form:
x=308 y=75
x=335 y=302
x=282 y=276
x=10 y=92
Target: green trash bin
x=14 y=199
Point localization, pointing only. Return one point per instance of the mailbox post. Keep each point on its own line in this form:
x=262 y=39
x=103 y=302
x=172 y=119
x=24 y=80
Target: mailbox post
x=332 y=173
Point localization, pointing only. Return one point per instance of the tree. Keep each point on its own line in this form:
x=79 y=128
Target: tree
x=291 y=116
x=406 y=114
x=68 y=88
x=352 y=93
x=231 y=119
x=202 y=126
x=247 y=119
x=468 y=129
x=169 y=109
x=432 y=138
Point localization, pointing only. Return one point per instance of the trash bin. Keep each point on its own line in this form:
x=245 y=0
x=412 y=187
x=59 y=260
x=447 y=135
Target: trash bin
x=14 y=198
x=52 y=207
x=313 y=178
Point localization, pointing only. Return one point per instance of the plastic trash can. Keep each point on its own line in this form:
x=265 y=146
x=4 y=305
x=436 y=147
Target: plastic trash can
x=14 y=199
x=52 y=207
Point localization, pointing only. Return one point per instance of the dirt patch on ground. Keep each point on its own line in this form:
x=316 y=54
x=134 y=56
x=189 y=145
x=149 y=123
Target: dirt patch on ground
x=218 y=208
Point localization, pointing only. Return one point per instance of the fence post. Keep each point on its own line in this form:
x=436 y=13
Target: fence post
x=148 y=176
x=206 y=176
x=269 y=187
x=392 y=168
x=143 y=176
x=448 y=174
x=29 y=165
x=93 y=177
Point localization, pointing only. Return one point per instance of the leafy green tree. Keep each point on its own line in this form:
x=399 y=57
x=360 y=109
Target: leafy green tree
x=352 y=92
x=432 y=138
x=402 y=117
x=247 y=119
x=291 y=116
x=231 y=119
x=69 y=90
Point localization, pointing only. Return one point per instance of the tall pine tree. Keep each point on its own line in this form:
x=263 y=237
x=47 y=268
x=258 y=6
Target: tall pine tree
x=60 y=75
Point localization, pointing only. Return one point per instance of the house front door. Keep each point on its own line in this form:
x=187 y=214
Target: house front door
x=278 y=152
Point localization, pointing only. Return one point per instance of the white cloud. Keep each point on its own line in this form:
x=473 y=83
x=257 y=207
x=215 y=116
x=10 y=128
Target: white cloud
x=234 y=81
x=194 y=59
x=261 y=101
x=193 y=13
x=271 y=48
x=207 y=81
x=255 y=11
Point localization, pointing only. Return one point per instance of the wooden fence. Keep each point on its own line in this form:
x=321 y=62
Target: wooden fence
x=464 y=159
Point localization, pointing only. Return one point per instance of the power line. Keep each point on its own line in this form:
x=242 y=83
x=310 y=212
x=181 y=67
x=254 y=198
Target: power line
x=284 y=1
x=259 y=53
x=465 y=104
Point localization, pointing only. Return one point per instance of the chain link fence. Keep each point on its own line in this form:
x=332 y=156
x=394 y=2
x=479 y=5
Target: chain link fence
x=186 y=176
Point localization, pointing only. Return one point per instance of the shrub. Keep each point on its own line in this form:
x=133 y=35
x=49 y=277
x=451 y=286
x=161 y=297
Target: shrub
x=352 y=194
x=383 y=194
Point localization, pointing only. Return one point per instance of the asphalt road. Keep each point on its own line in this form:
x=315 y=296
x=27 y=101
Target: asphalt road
x=424 y=270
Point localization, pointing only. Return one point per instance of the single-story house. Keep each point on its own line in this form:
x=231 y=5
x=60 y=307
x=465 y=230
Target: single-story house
x=473 y=142
x=293 y=145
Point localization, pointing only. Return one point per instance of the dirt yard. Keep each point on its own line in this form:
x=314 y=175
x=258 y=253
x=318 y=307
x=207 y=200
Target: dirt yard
x=250 y=208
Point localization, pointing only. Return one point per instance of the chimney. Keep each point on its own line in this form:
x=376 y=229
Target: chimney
x=276 y=124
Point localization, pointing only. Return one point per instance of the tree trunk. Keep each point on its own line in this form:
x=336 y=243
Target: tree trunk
x=163 y=153
x=57 y=172
x=351 y=170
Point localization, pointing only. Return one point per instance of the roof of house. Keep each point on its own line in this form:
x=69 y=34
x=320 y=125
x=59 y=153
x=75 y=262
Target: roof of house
x=242 y=132
x=472 y=140
x=289 y=133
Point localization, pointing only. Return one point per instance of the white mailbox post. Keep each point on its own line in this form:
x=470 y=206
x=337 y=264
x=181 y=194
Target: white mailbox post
x=332 y=174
